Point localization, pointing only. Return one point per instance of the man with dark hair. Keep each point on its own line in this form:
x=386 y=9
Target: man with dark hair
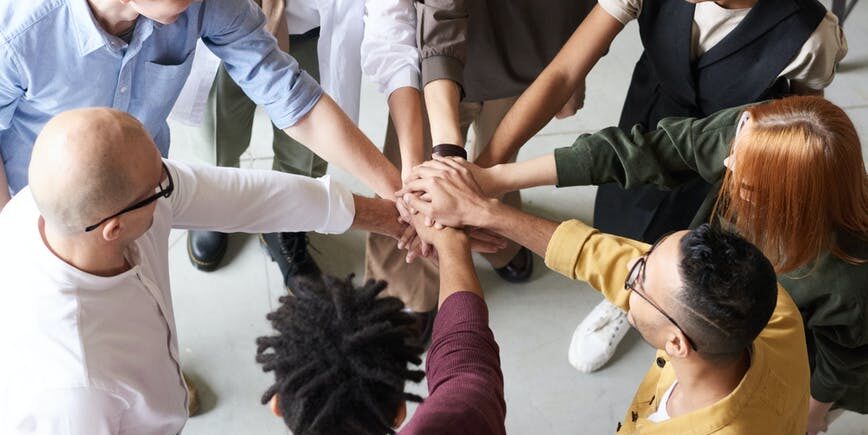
x=731 y=353
x=341 y=353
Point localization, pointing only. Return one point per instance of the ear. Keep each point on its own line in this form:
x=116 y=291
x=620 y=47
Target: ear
x=112 y=229
x=401 y=416
x=274 y=404
x=676 y=345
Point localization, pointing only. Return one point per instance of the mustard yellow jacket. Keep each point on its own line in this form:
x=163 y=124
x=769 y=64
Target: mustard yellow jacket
x=771 y=399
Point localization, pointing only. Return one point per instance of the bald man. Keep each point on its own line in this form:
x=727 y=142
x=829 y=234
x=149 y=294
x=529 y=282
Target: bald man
x=85 y=307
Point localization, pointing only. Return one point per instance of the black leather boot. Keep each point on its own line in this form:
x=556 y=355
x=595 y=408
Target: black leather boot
x=206 y=249
x=290 y=252
x=518 y=269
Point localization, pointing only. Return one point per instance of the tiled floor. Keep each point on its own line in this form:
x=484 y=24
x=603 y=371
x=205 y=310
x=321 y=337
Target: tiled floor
x=220 y=314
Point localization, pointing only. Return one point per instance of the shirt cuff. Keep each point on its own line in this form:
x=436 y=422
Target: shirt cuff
x=565 y=246
x=601 y=265
x=573 y=164
x=342 y=209
x=822 y=392
x=443 y=67
x=402 y=79
x=300 y=100
x=619 y=10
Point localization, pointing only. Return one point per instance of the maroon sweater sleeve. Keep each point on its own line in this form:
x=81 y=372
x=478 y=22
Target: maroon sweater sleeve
x=465 y=384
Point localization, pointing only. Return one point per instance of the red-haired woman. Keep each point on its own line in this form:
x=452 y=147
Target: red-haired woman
x=795 y=186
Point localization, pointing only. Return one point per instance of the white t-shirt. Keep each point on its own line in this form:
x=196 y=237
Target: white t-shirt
x=662 y=414
x=93 y=355
x=813 y=67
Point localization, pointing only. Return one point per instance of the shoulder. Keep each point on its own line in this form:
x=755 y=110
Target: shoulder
x=21 y=17
x=827 y=34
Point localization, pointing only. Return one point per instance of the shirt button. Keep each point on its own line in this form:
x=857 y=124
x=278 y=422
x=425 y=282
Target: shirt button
x=123 y=89
x=661 y=362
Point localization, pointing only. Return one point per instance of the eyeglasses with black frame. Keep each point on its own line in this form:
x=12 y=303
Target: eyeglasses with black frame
x=637 y=272
x=163 y=190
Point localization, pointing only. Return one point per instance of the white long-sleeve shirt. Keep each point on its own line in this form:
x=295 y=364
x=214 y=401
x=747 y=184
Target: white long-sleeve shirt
x=92 y=355
x=374 y=36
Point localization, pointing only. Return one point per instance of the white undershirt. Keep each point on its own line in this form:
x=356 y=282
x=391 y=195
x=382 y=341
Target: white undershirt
x=662 y=414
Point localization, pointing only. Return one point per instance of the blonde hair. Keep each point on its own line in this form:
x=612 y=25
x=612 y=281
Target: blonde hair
x=798 y=182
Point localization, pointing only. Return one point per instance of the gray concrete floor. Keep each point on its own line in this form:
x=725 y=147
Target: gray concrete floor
x=220 y=314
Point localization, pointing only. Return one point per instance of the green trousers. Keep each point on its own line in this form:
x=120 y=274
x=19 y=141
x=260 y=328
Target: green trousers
x=226 y=129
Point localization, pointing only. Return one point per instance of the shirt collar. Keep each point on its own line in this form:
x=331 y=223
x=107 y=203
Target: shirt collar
x=711 y=419
x=89 y=34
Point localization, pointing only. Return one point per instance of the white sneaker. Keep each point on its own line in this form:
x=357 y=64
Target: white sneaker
x=595 y=339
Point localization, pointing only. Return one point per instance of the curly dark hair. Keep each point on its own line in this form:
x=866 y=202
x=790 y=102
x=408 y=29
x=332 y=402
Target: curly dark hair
x=729 y=292
x=340 y=357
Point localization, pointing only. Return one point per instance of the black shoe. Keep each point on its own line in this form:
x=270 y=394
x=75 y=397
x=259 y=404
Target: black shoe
x=519 y=268
x=206 y=249
x=425 y=326
x=289 y=251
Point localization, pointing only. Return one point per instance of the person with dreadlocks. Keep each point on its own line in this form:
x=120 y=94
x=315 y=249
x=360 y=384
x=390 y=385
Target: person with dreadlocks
x=341 y=354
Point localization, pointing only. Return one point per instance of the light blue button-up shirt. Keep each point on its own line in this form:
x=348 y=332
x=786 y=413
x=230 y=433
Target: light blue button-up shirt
x=55 y=57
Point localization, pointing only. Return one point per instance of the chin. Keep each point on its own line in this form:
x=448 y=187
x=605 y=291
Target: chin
x=167 y=20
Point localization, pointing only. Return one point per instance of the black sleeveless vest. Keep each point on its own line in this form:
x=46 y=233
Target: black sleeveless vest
x=742 y=68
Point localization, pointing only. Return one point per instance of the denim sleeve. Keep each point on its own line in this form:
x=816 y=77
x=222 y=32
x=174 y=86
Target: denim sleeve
x=11 y=88
x=235 y=32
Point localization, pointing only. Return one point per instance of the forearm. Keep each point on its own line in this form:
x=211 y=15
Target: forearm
x=4 y=186
x=257 y=201
x=509 y=177
x=274 y=13
x=554 y=86
x=376 y=215
x=330 y=134
x=405 y=110
x=457 y=272
x=798 y=88
x=442 y=99
x=532 y=232
x=275 y=21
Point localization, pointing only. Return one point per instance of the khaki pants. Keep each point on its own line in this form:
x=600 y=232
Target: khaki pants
x=228 y=124
x=417 y=284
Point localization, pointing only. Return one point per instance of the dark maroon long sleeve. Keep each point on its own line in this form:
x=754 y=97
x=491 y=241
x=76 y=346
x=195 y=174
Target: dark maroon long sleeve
x=465 y=384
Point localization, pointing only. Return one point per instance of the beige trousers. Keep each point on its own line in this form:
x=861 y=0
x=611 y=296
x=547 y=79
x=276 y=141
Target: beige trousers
x=417 y=284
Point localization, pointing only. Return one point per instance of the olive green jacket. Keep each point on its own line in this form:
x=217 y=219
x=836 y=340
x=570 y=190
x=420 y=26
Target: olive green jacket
x=831 y=294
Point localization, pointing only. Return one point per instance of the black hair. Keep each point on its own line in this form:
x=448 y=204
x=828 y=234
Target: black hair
x=340 y=357
x=729 y=292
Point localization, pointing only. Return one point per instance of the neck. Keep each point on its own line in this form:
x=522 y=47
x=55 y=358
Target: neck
x=702 y=384
x=113 y=16
x=85 y=253
x=736 y=4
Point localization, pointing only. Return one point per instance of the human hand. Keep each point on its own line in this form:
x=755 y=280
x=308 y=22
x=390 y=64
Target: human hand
x=817 y=412
x=449 y=196
x=576 y=102
x=486 y=178
x=480 y=240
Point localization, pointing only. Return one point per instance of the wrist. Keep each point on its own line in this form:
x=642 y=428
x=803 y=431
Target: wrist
x=495 y=182
x=452 y=240
x=487 y=215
